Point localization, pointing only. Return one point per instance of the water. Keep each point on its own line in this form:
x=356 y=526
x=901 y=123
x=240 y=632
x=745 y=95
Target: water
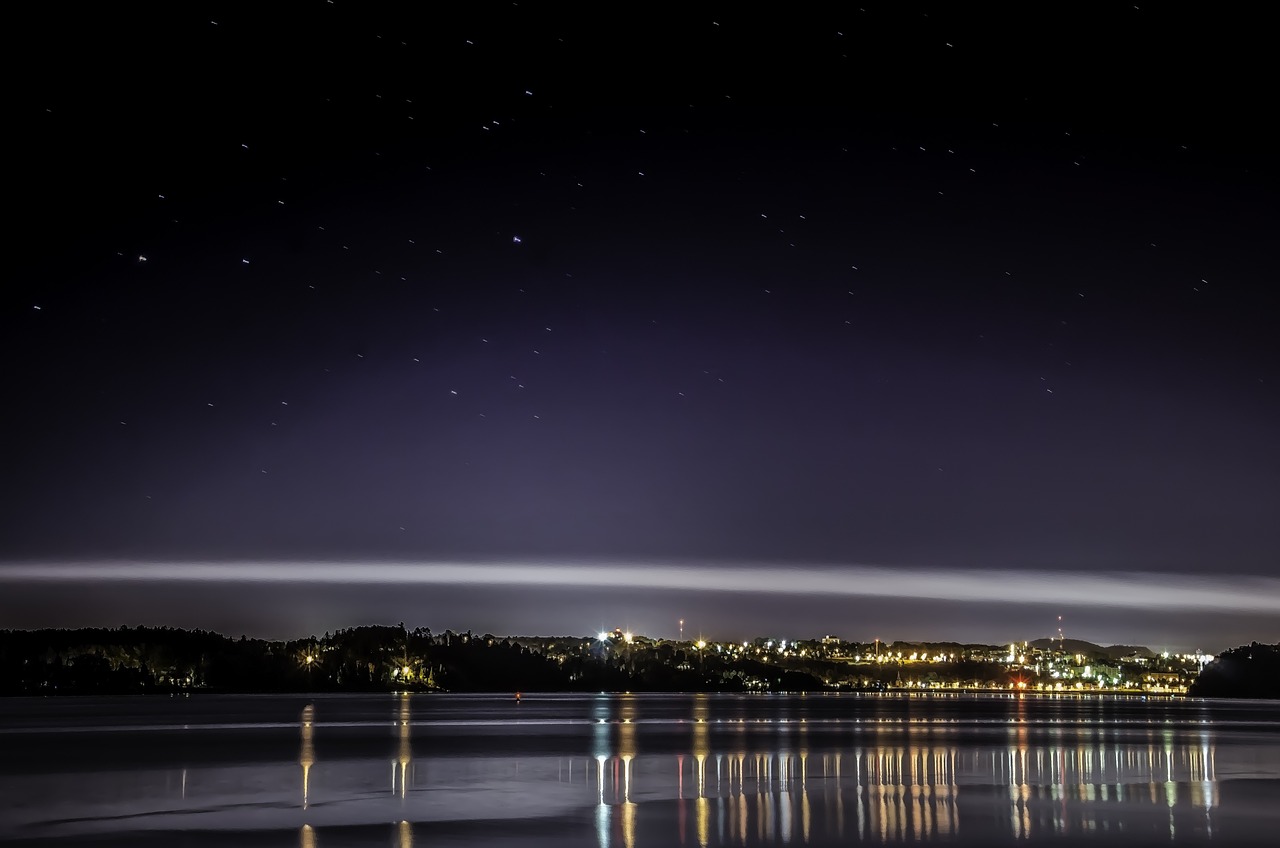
x=617 y=771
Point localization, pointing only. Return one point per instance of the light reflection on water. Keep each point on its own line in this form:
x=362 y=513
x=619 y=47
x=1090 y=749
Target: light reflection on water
x=694 y=770
x=307 y=756
x=898 y=792
x=889 y=792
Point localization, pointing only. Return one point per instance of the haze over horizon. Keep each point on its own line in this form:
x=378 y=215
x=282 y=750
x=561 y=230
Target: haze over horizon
x=942 y=322
x=178 y=592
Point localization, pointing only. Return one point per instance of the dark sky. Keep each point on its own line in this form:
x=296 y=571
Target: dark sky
x=939 y=290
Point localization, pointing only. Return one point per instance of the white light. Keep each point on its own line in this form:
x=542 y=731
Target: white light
x=1242 y=593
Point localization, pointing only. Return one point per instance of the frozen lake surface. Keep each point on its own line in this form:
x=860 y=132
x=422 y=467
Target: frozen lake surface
x=619 y=771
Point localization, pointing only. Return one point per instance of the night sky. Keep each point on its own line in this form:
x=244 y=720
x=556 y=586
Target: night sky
x=898 y=321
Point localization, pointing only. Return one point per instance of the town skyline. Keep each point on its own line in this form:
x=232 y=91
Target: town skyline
x=389 y=657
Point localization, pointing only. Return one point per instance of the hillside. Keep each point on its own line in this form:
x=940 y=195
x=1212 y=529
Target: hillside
x=1080 y=646
x=1250 y=671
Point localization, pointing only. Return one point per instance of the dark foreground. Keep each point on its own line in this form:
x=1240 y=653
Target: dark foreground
x=616 y=771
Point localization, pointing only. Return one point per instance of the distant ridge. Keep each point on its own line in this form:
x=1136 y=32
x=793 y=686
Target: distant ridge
x=1080 y=646
x=1130 y=650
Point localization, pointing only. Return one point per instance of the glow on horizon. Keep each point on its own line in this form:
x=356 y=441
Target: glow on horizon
x=1135 y=590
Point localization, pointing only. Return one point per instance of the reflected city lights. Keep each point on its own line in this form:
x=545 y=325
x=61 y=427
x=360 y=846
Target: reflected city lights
x=627 y=754
x=711 y=770
x=307 y=756
x=905 y=790
x=404 y=751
